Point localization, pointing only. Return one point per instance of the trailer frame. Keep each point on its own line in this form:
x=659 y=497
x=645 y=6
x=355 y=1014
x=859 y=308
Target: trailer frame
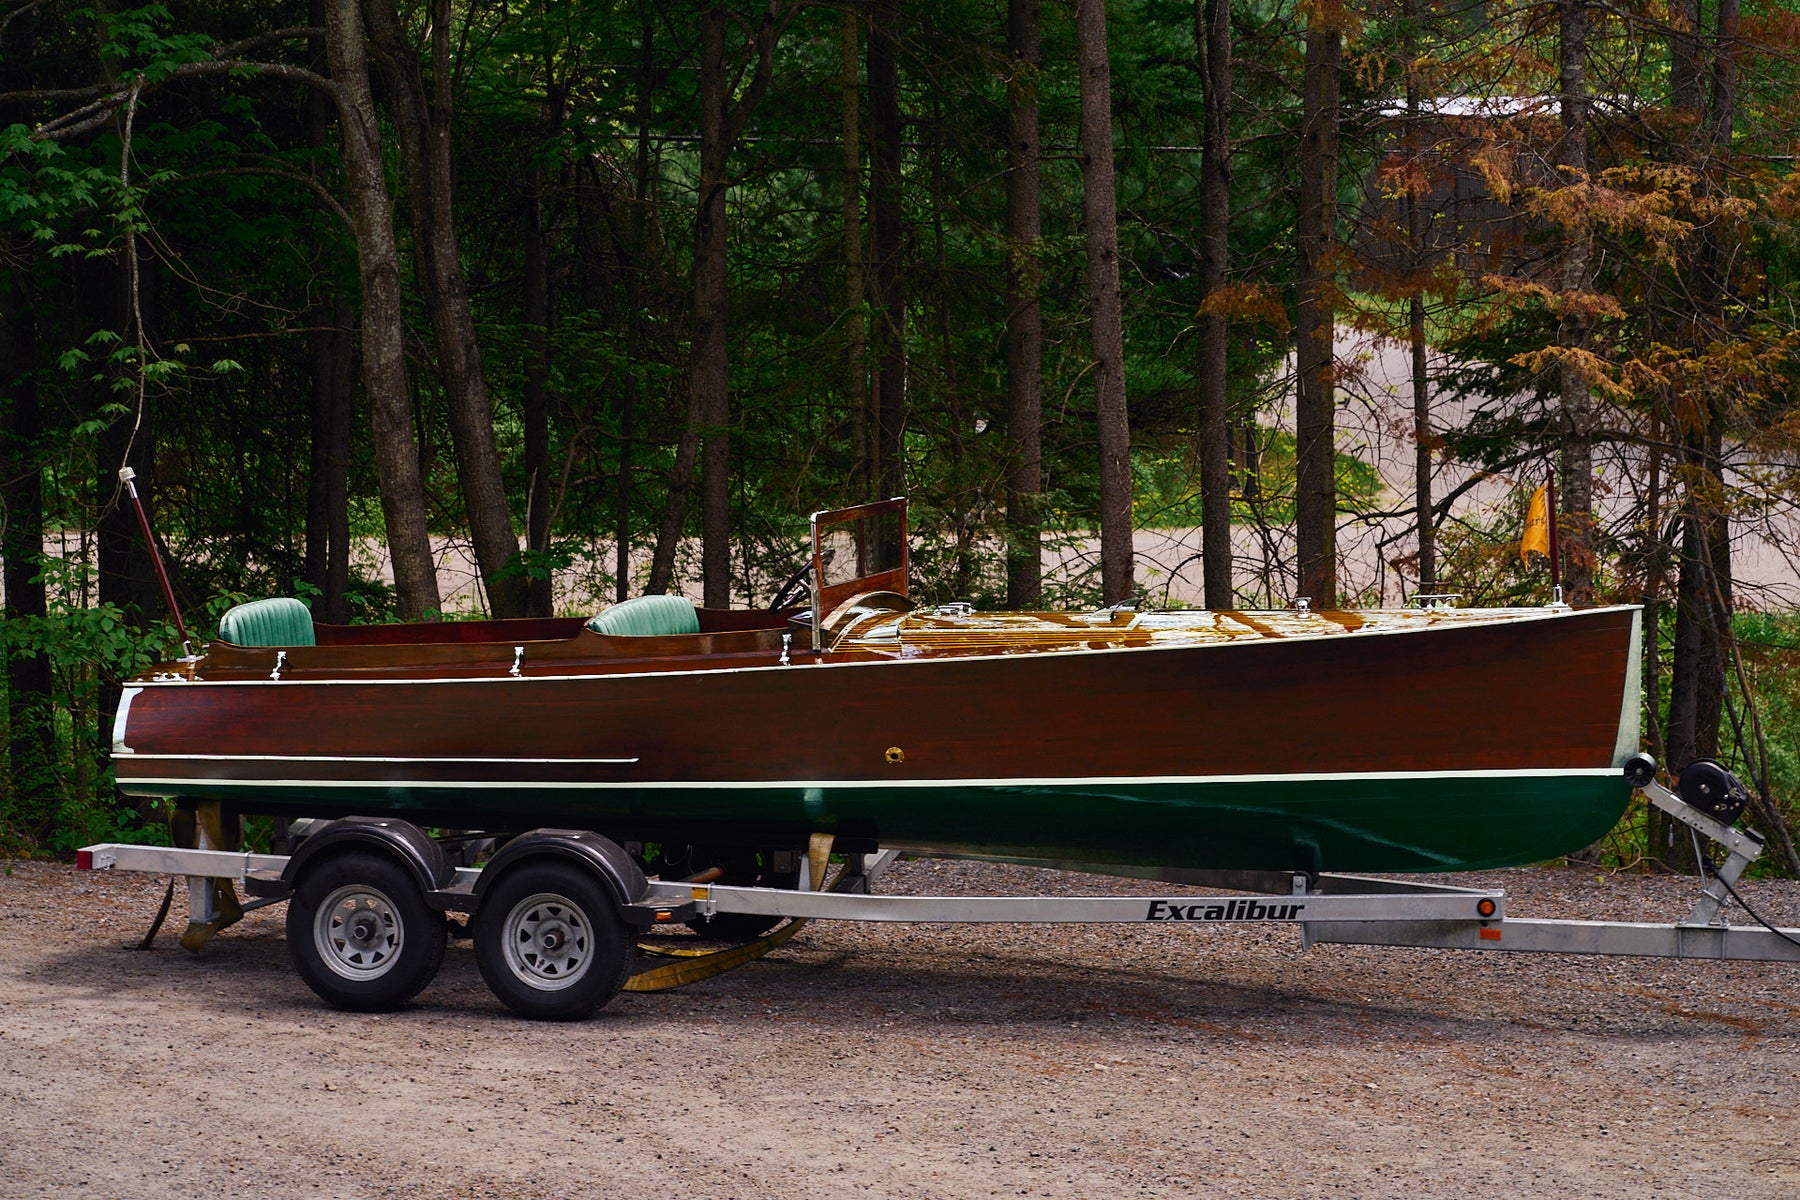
x=1327 y=908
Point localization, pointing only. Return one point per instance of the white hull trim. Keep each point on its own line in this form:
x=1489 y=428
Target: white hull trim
x=372 y=758
x=136 y=782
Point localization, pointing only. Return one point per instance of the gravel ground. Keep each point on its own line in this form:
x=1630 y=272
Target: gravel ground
x=1084 y=1061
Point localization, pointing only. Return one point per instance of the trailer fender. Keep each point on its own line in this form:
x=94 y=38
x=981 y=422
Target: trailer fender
x=623 y=878
x=423 y=858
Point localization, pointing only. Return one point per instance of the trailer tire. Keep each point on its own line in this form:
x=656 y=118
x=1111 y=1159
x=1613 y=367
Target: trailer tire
x=360 y=933
x=550 y=942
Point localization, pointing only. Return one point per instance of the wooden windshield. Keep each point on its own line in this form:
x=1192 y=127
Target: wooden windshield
x=856 y=550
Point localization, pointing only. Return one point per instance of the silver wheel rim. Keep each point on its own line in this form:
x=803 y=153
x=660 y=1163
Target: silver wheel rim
x=549 y=942
x=358 y=932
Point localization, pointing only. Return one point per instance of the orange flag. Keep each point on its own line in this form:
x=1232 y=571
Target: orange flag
x=1537 y=526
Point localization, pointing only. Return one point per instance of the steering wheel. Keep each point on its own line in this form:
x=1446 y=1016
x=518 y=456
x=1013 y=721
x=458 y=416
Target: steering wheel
x=793 y=590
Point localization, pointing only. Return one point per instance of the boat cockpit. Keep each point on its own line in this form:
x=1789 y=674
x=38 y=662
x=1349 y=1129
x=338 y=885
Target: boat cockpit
x=858 y=565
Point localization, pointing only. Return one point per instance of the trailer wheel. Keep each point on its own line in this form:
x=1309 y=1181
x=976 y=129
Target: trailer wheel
x=550 y=943
x=360 y=933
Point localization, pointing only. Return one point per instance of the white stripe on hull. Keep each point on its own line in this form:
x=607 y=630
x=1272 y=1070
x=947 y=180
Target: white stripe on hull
x=882 y=784
x=368 y=758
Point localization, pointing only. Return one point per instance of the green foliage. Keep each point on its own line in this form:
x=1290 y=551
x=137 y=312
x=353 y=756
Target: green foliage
x=1767 y=718
x=1167 y=487
x=1769 y=646
x=90 y=649
x=45 y=192
x=138 y=34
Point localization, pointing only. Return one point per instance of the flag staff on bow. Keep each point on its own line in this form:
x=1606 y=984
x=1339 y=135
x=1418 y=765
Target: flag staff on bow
x=126 y=475
x=1540 y=534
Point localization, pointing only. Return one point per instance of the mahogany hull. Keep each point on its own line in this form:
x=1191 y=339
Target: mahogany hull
x=1473 y=745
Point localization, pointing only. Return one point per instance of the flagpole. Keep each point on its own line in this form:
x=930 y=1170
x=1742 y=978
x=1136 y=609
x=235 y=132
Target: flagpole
x=126 y=475
x=1556 y=592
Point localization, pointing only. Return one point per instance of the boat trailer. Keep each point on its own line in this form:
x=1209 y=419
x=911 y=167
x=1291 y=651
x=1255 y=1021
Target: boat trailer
x=556 y=915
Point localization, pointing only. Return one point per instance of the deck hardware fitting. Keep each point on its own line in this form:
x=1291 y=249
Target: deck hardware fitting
x=280 y=662
x=1435 y=601
x=787 y=644
x=518 y=661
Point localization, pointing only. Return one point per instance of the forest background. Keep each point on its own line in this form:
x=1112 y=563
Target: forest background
x=603 y=298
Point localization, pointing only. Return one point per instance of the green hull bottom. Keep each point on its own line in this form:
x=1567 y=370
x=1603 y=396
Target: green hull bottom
x=1438 y=822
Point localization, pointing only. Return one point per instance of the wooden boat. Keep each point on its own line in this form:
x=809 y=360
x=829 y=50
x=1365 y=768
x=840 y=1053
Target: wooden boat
x=1417 y=740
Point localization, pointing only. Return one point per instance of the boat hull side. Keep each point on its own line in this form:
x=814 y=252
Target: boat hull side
x=1476 y=746
x=1416 y=822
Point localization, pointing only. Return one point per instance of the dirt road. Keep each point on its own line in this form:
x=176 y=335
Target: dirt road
x=907 y=1061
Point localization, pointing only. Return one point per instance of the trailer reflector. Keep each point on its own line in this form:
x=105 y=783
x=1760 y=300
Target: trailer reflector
x=84 y=860
x=1492 y=935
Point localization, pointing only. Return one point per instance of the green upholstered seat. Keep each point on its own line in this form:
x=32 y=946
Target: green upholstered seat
x=648 y=616
x=280 y=622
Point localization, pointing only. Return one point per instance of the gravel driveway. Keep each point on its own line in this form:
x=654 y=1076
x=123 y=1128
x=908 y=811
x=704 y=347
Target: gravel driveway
x=899 y=1061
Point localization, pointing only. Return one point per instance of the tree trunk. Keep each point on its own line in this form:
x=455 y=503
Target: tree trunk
x=709 y=371
x=333 y=393
x=1701 y=653
x=30 y=737
x=709 y=407
x=1024 y=310
x=856 y=325
x=30 y=725
x=102 y=302
x=1213 y=35
x=634 y=290
x=1702 y=610
x=1686 y=85
x=885 y=217
x=1577 y=519
x=535 y=398
x=337 y=494
x=1724 y=79
x=30 y=719
x=1660 y=829
x=1415 y=314
x=1716 y=284
x=422 y=122
x=328 y=485
x=1315 y=318
x=1100 y=214
x=674 y=519
x=317 y=555
x=1422 y=437
x=383 y=346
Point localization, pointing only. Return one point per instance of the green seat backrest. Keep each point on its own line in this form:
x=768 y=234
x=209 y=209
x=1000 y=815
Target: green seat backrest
x=648 y=616
x=280 y=622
